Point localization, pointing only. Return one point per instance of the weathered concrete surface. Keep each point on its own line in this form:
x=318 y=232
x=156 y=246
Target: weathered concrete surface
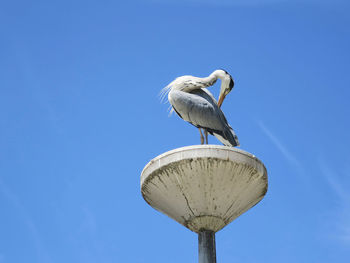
x=204 y=186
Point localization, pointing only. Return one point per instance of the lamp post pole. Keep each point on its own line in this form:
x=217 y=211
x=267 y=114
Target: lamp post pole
x=206 y=247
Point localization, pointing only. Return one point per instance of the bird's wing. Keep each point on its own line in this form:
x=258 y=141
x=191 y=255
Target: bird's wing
x=201 y=92
x=209 y=94
x=200 y=109
x=196 y=110
x=231 y=139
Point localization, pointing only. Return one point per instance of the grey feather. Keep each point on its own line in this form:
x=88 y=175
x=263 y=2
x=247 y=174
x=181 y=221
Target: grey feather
x=201 y=110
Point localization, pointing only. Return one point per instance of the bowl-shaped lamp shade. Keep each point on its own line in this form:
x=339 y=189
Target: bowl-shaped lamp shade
x=204 y=187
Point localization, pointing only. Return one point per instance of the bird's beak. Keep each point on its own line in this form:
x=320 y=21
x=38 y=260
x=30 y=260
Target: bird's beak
x=221 y=99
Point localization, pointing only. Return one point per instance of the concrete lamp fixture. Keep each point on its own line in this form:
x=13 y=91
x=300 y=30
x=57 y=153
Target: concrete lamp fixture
x=204 y=188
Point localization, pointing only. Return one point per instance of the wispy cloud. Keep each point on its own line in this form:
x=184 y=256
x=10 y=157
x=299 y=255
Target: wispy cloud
x=342 y=210
x=15 y=201
x=281 y=147
x=333 y=181
x=340 y=214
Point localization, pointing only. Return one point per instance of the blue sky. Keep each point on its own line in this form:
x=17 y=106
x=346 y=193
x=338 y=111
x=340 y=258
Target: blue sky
x=80 y=117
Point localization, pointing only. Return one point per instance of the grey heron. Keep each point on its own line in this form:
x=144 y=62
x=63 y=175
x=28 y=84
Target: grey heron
x=195 y=104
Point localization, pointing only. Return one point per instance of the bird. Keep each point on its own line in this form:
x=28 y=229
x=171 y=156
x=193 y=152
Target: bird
x=192 y=101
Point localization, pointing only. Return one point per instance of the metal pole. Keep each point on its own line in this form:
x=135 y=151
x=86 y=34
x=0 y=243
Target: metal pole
x=206 y=247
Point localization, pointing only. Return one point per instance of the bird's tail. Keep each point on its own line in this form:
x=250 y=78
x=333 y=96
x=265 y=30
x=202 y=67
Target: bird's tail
x=228 y=137
x=231 y=135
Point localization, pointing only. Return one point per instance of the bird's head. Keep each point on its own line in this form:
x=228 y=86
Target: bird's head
x=227 y=84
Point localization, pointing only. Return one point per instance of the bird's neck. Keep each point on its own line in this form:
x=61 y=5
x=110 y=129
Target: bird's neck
x=219 y=74
x=211 y=79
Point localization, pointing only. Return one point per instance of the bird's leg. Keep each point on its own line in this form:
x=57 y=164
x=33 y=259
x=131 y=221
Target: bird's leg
x=202 y=138
x=206 y=136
